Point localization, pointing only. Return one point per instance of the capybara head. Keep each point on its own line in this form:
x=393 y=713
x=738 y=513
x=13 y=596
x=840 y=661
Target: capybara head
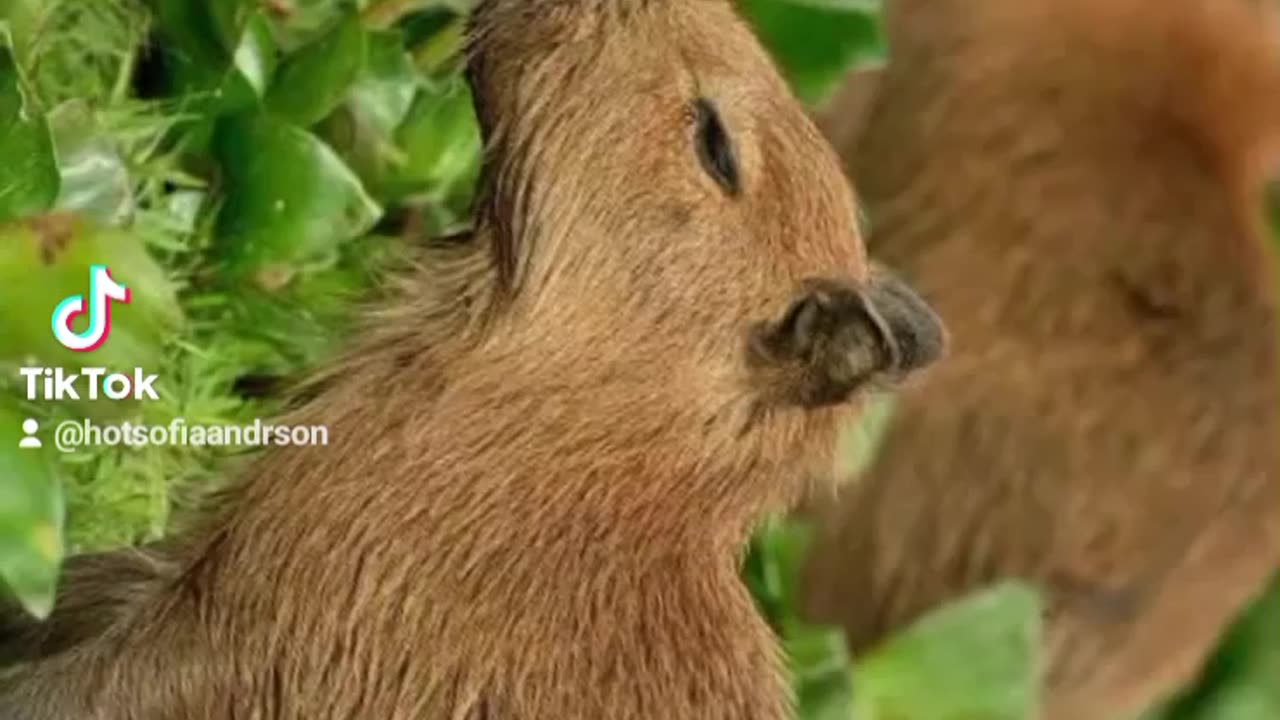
x=647 y=161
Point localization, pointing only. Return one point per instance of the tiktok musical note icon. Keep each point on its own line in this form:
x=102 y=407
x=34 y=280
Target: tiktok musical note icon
x=102 y=290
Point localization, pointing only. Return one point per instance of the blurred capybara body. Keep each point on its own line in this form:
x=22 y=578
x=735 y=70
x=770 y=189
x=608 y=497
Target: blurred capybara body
x=1076 y=186
x=547 y=453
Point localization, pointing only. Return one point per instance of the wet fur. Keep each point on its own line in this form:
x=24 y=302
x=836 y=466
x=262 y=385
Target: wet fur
x=1076 y=186
x=551 y=443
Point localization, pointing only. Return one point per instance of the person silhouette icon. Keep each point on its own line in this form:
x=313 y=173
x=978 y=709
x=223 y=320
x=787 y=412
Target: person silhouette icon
x=29 y=428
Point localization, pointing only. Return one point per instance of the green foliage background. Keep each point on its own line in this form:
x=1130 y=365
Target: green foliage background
x=248 y=168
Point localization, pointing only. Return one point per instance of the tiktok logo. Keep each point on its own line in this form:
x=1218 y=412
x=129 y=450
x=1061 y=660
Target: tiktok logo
x=102 y=290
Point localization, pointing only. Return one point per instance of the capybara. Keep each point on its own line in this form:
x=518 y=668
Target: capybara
x=1076 y=186
x=550 y=445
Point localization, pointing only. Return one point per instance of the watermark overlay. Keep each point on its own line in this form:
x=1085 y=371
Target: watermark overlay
x=102 y=291
x=93 y=383
x=57 y=384
x=88 y=383
x=72 y=435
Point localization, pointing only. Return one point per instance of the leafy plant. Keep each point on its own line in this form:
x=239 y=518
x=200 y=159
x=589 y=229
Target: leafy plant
x=978 y=657
x=193 y=145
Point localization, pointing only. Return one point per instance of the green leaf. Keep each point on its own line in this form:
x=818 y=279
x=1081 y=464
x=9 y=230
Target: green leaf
x=195 y=53
x=384 y=13
x=301 y=22
x=31 y=516
x=787 y=542
x=974 y=659
x=295 y=327
x=429 y=24
x=815 y=42
x=255 y=54
x=94 y=179
x=384 y=92
x=28 y=170
x=290 y=199
x=23 y=19
x=314 y=80
x=866 y=6
x=817 y=656
x=440 y=140
x=819 y=663
x=363 y=129
x=437 y=38
x=221 y=54
x=228 y=21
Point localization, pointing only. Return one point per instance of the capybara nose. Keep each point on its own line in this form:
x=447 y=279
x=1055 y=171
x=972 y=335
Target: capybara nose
x=915 y=333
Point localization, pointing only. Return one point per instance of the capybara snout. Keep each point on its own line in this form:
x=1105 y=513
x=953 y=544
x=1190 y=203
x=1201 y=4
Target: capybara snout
x=918 y=335
x=841 y=334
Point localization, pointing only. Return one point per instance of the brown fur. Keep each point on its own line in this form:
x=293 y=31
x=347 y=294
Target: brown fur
x=1076 y=185
x=547 y=453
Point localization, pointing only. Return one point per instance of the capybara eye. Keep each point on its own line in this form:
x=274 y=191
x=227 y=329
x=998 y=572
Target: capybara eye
x=715 y=148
